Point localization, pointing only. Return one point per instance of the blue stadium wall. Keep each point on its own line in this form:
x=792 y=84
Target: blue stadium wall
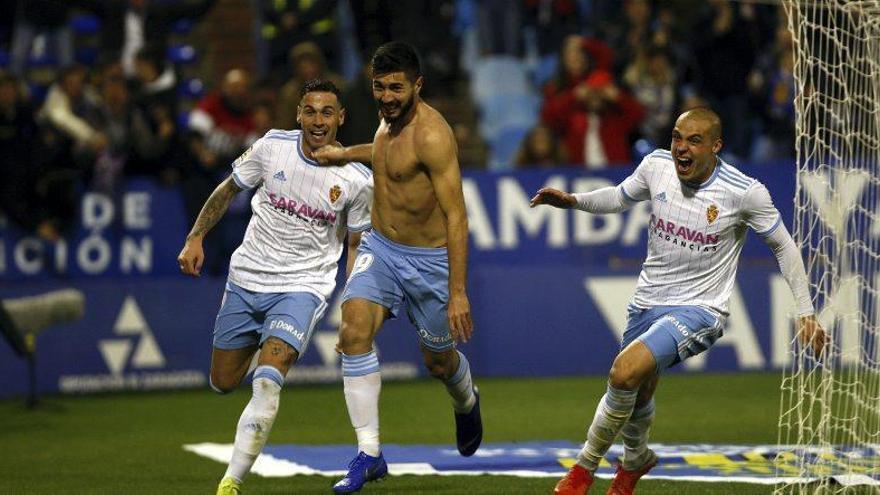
x=548 y=290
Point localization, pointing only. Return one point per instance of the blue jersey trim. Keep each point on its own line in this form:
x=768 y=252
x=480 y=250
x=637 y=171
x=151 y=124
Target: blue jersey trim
x=367 y=173
x=771 y=229
x=733 y=178
x=239 y=182
x=303 y=156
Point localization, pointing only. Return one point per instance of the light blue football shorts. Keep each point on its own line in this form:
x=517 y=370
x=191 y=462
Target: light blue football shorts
x=248 y=318
x=388 y=274
x=672 y=333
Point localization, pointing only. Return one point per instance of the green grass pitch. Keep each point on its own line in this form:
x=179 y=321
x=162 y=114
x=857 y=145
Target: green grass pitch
x=132 y=443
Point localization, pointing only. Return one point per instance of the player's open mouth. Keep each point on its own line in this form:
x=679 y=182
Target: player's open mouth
x=318 y=134
x=683 y=165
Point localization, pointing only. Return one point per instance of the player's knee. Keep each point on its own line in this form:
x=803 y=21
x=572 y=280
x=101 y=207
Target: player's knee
x=624 y=377
x=278 y=353
x=354 y=336
x=439 y=366
x=223 y=384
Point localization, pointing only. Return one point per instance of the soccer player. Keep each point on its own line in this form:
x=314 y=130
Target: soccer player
x=702 y=207
x=285 y=268
x=415 y=253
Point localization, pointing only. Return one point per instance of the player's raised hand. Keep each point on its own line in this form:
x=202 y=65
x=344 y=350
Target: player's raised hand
x=191 y=257
x=332 y=154
x=811 y=333
x=459 y=314
x=553 y=197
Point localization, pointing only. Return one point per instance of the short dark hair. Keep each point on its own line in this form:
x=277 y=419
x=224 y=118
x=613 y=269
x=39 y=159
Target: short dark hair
x=321 y=86
x=397 y=56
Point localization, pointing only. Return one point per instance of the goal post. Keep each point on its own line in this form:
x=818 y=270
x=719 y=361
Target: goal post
x=829 y=421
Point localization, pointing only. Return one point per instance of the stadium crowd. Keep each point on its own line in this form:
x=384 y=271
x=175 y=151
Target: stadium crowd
x=93 y=91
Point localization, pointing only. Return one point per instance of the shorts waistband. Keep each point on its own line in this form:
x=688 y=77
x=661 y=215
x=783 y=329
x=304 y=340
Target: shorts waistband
x=406 y=250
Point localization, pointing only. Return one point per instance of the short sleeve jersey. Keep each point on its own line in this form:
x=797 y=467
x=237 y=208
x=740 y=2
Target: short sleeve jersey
x=696 y=233
x=301 y=212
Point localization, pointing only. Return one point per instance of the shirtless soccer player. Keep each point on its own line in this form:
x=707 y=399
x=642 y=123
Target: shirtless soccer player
x=284 y=270
x=416 y=253
x=702 y=208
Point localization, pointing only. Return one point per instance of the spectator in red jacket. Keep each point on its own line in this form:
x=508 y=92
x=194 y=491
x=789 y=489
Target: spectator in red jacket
x=597 y=129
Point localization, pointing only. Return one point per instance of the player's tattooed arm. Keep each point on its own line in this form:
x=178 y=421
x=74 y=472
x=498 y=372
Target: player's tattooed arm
x=214 y=208
x=192 y=255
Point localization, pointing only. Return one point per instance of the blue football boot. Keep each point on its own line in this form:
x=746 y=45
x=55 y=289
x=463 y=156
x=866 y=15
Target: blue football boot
x=469 y=429
x=361 y=470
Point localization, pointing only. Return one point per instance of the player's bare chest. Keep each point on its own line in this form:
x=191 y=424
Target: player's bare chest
x=395 y=159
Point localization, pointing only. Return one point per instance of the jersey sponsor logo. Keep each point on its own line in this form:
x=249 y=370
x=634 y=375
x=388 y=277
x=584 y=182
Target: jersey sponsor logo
x=684 y=236
x=712 y=213
x=309 y=213
x=661 y=197
x=280 y=176
x=335 y=192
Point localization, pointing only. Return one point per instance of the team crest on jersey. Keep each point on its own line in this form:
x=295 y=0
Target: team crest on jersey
x=335 y=192
x=711 y=213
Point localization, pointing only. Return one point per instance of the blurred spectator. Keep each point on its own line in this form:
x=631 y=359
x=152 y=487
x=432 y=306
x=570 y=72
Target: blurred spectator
x=540 y=149
x=630 y=33
x=372 y=23
x=653 y=82
x=44 y=18
x=307 y=63
x=725 y=51
x=64 y=107
x=112 y=117
x=553 y=20
x=127 y=25
x=584 y=107
x=34 y=195
x=361 y=115
x=773 y=84
x=499 y=27
x=223 y=122
x=575 y=65
x=18 y=148
x=287 y=23
x=155 y=123
x=157 y=82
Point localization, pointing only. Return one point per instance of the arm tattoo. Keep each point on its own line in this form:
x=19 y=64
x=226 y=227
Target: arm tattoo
x=213 y=209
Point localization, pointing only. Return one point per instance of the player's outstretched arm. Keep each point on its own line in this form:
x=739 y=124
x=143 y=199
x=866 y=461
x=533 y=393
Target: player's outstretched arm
x=436 y=149
x=192 y=255
x=553 y=197
x=603 y=200
x=765 y=219
x=338 y=155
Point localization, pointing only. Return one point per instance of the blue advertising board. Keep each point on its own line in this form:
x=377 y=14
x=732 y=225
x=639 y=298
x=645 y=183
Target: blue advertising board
x=548 y=291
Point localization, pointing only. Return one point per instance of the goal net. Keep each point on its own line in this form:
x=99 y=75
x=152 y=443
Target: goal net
x=829 y=423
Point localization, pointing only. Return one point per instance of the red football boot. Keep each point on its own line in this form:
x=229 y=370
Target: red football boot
x=577 y=481
x=624 y=482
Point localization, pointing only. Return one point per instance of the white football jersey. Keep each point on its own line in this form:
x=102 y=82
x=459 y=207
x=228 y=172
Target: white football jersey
x=301 y=212
x=696 y=234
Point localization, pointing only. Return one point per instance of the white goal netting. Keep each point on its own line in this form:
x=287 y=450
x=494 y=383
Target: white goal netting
x=830 y=409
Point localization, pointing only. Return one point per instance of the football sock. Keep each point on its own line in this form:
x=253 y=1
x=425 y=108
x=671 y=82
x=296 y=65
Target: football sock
x=635 y=437
x=255 y=421
x=362 y=383
x=613 y=410
x=461 y=387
